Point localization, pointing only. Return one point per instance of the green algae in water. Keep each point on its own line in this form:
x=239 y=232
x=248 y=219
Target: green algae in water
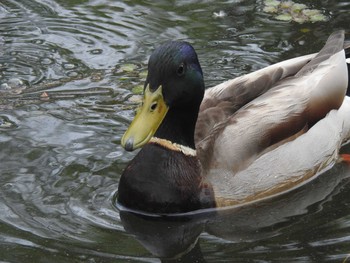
x=128 y=67
x=137 y=89
x=286 y=5
x=272 y=3
x=291 y=11
x=143 y=74
x=270 y=9
x=318 y=18
x=298 y=7
x=284 y=17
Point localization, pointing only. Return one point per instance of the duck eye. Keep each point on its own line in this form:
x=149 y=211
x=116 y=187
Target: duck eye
x=181 y=70
x=154 y=106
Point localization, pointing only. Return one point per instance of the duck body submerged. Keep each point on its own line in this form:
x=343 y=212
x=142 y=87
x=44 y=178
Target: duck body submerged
x=246 y=139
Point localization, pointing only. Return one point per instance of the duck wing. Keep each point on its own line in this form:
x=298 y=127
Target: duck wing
x=245 y=118
x=222 y=101
x=288 y=166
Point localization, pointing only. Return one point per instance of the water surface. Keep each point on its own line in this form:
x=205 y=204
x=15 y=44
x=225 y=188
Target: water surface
x=67 y=73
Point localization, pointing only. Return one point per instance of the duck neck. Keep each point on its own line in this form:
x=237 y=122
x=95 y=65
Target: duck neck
x=178 y=127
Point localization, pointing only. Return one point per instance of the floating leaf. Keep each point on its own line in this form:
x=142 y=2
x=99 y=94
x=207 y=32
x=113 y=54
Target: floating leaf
x=284 y=17
x=291 y=11
x=318 y=18
x=143 y=74
x=298 y=7
x=128 y=67
x=300 y=19
x=270 y=9
x=272 y=3
x=311 y=12
x=305 y=30
x=286 y=5
x=137 y=89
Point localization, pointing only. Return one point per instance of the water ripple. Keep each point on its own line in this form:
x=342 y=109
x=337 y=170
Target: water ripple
x=65 y=102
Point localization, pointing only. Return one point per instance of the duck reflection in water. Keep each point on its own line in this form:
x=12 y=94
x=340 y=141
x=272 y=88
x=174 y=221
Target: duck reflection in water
x=171 y=239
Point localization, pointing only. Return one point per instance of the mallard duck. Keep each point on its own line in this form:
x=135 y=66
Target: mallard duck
x=246 y=139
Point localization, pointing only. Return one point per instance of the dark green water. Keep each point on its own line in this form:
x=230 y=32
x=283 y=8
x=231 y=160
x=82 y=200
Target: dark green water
x=67 y=70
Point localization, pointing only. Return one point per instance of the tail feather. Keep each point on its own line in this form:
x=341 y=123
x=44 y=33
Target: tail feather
x=334 y=44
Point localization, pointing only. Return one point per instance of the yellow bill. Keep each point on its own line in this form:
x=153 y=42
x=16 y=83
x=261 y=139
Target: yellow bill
x=147 y=120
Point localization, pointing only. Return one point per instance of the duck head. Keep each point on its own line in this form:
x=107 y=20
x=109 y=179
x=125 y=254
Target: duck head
x=173 y=91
